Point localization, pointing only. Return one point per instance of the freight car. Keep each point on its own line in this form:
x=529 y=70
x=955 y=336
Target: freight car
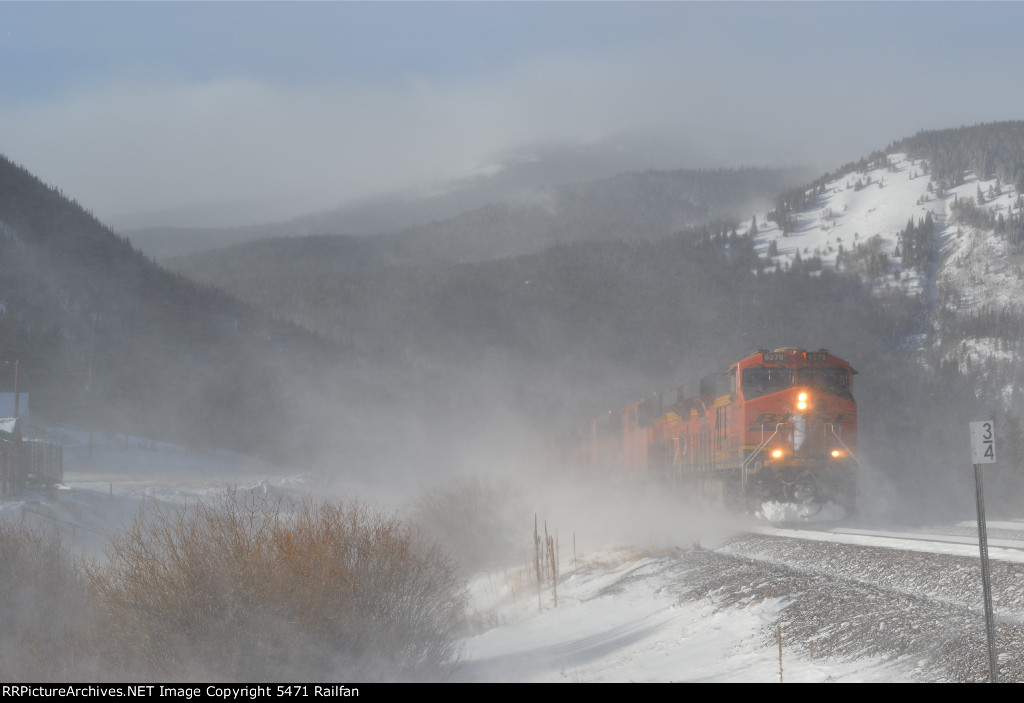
x=27 y=463
x=778 y=425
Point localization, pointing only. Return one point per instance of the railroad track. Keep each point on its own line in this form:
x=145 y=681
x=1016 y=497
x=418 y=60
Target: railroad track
x=856 y=592
x=1000 y=547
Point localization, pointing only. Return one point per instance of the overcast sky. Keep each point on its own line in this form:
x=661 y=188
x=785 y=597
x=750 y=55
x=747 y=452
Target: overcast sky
x=174 y=110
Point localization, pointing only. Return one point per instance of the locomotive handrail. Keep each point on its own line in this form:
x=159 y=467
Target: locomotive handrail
x=677 y=459
x=743 y=467
x=832 y=429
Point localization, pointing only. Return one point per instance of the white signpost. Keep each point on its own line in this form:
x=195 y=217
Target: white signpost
x=983 y=442
x=983 y=451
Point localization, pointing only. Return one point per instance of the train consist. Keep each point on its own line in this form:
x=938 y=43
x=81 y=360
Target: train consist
x=779 y=425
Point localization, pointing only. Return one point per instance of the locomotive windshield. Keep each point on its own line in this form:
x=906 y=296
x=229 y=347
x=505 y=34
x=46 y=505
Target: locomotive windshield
x=758 y=380
x=834 y=379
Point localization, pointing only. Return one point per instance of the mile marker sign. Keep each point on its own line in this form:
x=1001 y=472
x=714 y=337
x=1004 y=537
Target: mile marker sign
x=983 y=451
x=983 y=442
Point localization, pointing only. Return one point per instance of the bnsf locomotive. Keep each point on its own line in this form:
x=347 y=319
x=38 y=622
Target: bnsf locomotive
x=778 y=425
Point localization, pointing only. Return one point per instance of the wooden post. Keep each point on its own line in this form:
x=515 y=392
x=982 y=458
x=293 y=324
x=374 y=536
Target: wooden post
x=14 y=470
x=554 y=569
x=778 y=635
x=16 y=393
x=536 y=557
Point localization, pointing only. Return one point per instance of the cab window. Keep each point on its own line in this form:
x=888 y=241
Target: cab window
x=759 y=380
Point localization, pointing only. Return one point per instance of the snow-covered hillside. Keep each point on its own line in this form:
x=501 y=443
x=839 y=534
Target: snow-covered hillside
x=866 y=211
x=879 y=202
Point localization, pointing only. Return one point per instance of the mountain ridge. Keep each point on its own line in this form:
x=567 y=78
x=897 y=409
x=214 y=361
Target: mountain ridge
x=408 y=220
x=106 y=337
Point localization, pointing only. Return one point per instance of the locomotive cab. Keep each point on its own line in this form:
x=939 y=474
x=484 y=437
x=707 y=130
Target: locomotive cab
x=800 y=426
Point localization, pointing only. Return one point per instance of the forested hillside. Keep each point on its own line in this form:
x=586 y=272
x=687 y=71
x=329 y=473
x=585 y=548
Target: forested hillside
x=994 y=150
x=630 y=206
x=107 y=338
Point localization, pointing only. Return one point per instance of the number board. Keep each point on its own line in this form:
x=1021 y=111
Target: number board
x=817 y=356
x=773 y=357
x=983 y=442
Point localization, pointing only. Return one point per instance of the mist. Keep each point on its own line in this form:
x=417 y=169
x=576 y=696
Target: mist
x=204 y=130
x=544 y=231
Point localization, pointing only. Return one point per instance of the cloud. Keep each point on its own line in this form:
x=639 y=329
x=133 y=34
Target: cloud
x=152 y=147
x=252 y=149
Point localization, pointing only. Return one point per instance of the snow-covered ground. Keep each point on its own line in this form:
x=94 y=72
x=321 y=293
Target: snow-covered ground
x=650 y=610
x=848 y=605
x=620 y=618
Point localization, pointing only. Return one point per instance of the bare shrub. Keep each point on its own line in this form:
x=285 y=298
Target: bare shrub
x=479 y=522
x=255 y=589
x=43 y=612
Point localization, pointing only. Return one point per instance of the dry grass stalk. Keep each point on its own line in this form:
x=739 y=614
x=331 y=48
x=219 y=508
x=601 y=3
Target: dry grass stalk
x=44 y=616
x=248 y=588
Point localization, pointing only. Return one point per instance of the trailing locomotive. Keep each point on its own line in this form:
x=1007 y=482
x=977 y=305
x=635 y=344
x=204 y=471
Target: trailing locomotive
x=778 y=425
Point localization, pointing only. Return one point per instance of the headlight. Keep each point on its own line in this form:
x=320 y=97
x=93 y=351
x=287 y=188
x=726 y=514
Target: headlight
x=801 y=401
x=776 y=454
x=836 y=453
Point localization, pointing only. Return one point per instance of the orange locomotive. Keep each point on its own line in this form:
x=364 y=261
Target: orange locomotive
x=778 y=425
